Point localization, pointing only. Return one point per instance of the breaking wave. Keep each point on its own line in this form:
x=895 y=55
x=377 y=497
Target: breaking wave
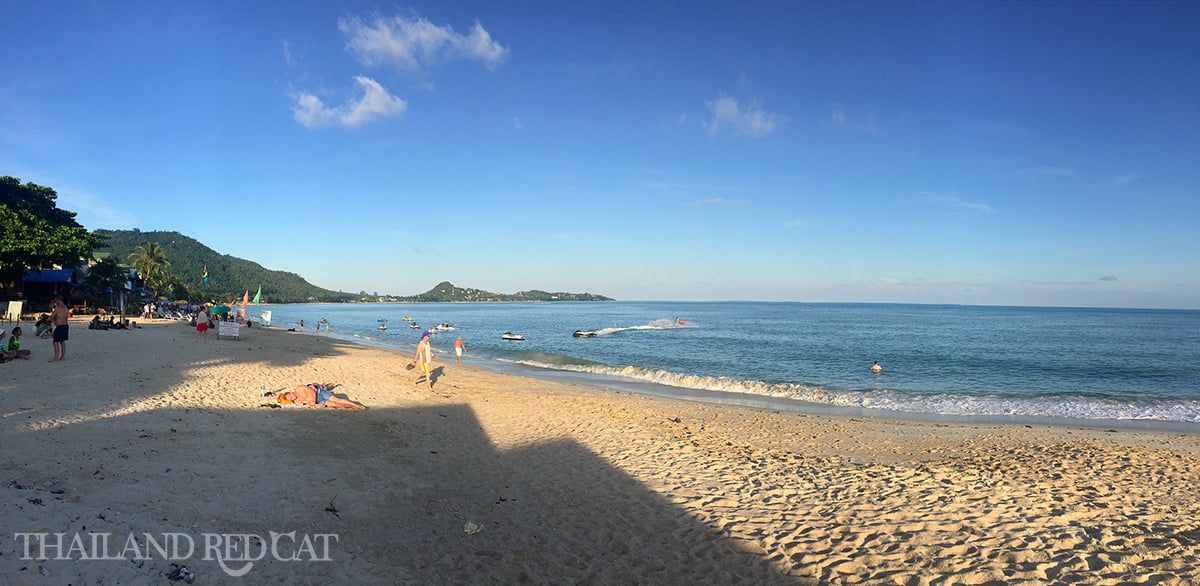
x=887 y=400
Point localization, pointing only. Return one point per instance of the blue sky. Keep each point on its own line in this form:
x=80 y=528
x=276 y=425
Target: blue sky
x=1012 y=153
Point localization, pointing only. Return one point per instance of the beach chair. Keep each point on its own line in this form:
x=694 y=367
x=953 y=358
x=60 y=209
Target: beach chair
x=14 y=311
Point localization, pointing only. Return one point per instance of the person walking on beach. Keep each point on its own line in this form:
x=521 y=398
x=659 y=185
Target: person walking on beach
x=202 y=324
x=458 y=350
x=58 y=318
x=421 y=360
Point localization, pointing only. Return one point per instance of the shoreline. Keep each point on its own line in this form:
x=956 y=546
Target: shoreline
x=771 y=402
x=495 y=477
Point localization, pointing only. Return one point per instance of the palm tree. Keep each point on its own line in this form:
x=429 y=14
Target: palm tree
x=150 y=260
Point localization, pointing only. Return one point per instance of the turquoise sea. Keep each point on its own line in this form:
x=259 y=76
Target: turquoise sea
x=1108 y=366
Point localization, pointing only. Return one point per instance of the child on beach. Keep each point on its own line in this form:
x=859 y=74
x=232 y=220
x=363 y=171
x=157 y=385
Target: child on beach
x=12 y=348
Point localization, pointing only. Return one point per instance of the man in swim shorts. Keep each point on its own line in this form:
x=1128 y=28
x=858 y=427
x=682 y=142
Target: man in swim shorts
x=422 y=358
x=58 y=317
x=458 y=350
x=317 y=395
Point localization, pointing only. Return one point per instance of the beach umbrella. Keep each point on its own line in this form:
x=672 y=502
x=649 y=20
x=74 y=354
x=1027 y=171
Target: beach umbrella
x=219 y=309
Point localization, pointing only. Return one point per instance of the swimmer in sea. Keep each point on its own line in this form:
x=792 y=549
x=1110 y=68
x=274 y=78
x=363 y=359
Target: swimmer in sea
x=875 y=367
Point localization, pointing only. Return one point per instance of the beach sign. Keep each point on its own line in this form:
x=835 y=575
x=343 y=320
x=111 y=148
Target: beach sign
x=264 y=318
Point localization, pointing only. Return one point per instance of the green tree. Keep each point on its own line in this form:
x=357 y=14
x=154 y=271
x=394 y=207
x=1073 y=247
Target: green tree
x=174 y=288
x=37 y=234
x=151 y=262
x=106 y=280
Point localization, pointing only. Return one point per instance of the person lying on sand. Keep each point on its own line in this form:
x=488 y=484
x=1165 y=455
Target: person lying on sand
x=316 y=395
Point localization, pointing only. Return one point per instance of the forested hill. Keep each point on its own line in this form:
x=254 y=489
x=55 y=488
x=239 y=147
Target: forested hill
x=229 y=277
x=448 y=292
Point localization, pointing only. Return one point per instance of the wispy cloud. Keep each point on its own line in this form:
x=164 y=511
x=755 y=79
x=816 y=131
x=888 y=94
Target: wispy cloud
x=376 y=103
x=749 y=120
x=890 y=284
x=1108 y=278
x=414 y=43
x=865 y=122
x=1049 y=170
x=718 y=202
x=795 y=223
x=954 y=202
x=1126 y=178
x=287 y=54
x=93 y=210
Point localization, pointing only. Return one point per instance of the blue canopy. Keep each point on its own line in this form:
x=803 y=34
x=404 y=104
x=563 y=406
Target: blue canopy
x=50 y=276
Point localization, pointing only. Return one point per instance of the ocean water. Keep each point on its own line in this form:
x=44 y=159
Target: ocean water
x=989 y=363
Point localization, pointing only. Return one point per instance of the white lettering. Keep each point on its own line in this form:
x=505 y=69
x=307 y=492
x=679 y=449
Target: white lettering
x=275 y=545
x=24 y=538
x=100 y=546
x=131 y=543
x=77 y=545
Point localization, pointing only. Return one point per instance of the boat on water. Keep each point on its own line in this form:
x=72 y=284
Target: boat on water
x=445 y=327
x=382 y=327
x=407 y=318
x=582 y=334
x=511 y=336
x=414 y=326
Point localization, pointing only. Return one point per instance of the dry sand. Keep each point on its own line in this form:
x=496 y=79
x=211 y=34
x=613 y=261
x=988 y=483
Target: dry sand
x=500 y=479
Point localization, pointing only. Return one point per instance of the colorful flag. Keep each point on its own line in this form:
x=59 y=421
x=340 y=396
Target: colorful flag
x=258 y=295
x=205 y=275
x=246 y=298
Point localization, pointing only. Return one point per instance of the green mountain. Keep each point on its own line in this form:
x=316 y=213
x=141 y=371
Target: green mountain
x=229 y=277
x=445 y=292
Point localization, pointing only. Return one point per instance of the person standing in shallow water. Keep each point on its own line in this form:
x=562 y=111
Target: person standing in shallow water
x=458 y=350
x=58 y=318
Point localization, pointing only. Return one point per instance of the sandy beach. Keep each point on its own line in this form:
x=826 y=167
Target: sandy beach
x=146 y=439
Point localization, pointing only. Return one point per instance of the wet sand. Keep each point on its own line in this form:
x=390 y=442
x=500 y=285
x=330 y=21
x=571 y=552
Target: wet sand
x=147 y=434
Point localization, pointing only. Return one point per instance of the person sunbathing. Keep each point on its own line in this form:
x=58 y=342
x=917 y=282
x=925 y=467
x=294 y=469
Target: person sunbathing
x=316 y=395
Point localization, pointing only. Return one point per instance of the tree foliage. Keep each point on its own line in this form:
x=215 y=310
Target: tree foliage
x=106 y=280
x=37 y=234
x=151 y=263
x=229 y=277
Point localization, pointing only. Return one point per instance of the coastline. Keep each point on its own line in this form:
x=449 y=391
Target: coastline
x=147 y=431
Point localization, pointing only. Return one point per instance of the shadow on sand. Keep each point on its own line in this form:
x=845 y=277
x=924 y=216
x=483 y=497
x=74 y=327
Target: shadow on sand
x=411 y=496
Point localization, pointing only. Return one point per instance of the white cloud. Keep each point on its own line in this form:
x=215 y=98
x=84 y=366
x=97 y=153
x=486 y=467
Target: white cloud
x=717 y=202
x=890 y=284
x=375 y=103
x=415 y=43
x=865 y=122
x=750 y=120
x=954 y=202
x=1049 y=170
x=94 y=211
x=838 y=119
x=1126 y=178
